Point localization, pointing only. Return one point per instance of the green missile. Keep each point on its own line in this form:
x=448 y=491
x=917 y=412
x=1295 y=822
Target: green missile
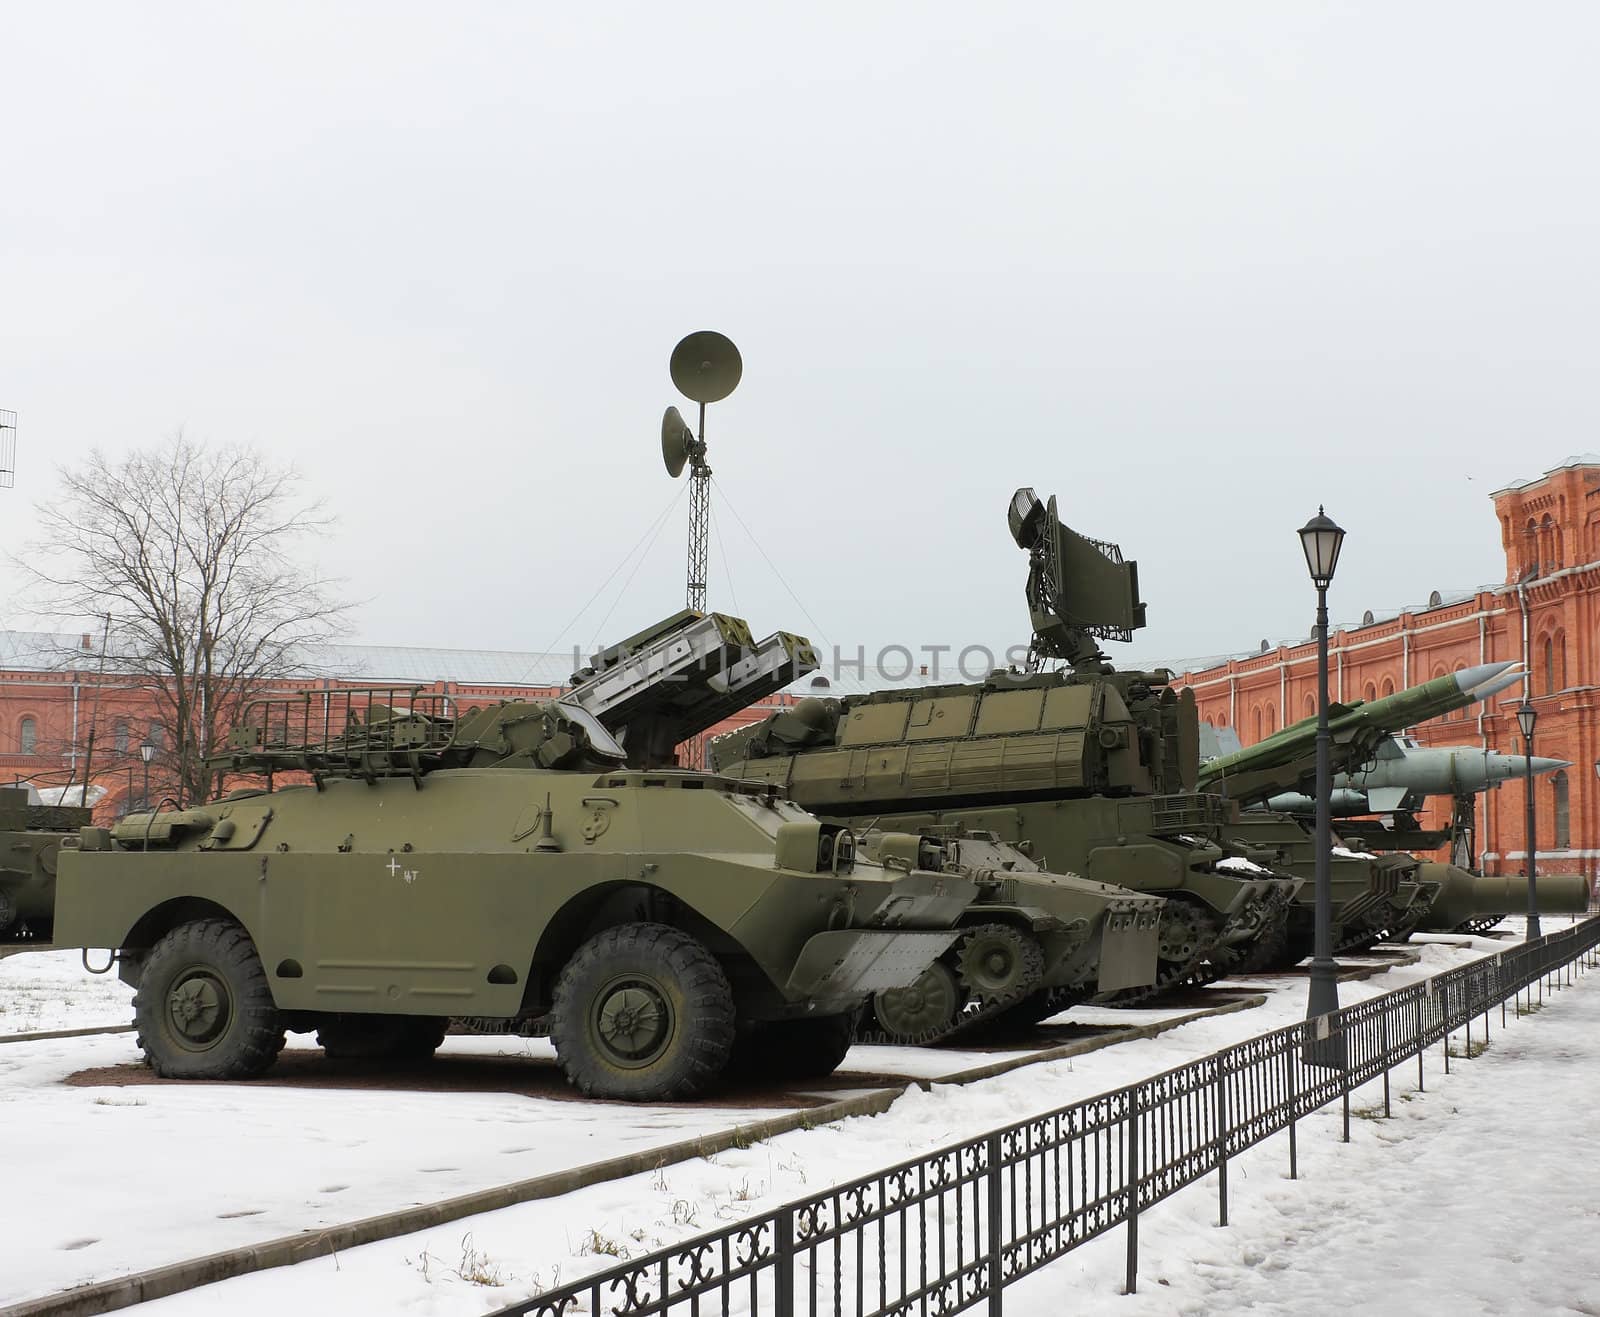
x=1286 y=761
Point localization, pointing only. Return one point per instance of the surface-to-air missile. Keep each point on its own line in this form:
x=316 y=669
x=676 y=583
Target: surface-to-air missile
x=1402 y=774
x=31 y=834
x=1431 y=896
x=1092 y=770
x=1357 y=732
x=508 y=864
x=1031 y=943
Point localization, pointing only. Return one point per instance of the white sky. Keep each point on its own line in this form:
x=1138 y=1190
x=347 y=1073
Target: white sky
x=1192 y=268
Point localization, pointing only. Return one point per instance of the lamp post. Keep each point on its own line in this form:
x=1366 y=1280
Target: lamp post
x=1321 y=539
x=147 y=752
x=1527 y=716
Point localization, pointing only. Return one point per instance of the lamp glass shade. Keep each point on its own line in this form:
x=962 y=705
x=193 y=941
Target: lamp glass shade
x=1527 y=715
x=1321 y=538
x=147 y=751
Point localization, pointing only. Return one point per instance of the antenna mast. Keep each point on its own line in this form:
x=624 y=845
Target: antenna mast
x=706 y=368
x=8 y=448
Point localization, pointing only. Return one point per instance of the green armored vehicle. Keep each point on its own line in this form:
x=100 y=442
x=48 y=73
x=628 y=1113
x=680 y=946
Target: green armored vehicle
x=1032 y=942
x=31 y=834
x=1093 y=770
x=503 y=864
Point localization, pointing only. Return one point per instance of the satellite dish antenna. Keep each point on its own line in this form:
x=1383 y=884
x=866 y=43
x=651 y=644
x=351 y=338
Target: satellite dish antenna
x=677 y=442
x=706 y=367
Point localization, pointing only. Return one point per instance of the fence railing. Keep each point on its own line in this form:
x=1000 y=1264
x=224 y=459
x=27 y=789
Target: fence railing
x=947 y=1232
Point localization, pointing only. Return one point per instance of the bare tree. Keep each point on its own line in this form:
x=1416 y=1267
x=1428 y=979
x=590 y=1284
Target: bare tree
x=189 y=552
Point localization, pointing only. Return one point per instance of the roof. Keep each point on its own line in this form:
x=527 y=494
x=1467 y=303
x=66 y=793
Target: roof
x=1576 y=460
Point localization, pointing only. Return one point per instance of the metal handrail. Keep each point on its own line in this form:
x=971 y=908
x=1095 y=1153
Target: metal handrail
x=947 y=1232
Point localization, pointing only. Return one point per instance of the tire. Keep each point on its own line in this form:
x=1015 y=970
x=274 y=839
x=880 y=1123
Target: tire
x=794 y=1049
x=642 y=1012
x=204 y=1009
x=381 y=1037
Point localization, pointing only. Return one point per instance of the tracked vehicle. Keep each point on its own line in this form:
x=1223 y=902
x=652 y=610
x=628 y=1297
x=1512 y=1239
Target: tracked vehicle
x=1093 y=770
x=1031 y=943
x=505 y=864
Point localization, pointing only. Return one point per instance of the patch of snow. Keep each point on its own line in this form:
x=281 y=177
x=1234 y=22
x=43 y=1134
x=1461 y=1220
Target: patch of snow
x=299 y=1158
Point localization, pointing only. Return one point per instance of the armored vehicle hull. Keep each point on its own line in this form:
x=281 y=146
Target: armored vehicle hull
x=1032 y=944
x=30 y=844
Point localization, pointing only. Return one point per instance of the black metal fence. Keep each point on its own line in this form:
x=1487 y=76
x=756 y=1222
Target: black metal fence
x=948 y=1232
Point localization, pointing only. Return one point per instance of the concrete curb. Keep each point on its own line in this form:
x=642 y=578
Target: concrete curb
x=177 y=1277
x=47 y=1034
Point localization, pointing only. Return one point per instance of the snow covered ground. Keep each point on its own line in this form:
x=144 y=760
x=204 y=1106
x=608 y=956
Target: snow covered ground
x=241 y=1163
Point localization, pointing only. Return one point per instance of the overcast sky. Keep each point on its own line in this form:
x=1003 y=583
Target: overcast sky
x=1193 y=268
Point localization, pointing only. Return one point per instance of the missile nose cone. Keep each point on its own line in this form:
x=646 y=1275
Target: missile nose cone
x=1467 y=678
x=1502 y=767
x=1494 y=685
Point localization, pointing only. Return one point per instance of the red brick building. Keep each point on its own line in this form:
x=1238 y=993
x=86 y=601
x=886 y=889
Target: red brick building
x=1546 y=616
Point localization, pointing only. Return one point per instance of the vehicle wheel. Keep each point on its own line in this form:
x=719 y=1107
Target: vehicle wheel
x=931 y=1004
x=204 y=1009
x=794 y=1049
x=381 y=1037
x=642 y=1012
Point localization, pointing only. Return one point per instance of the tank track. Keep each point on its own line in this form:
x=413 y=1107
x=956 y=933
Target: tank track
x=972 y=1018
x=1480 y=925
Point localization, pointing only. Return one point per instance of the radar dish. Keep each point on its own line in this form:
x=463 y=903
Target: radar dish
x=706 y=366
x=677 y=441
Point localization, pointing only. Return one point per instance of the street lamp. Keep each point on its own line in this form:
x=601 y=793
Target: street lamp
x=147 y=752
x=1527 y=716
x=1321 y=538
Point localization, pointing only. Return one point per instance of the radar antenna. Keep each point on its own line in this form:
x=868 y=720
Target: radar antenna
x=706 y=368
x=1079 y=590
x=8 y=448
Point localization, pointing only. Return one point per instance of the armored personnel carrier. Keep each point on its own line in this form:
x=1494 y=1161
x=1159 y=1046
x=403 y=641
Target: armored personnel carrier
x=1032 y=942
x=1092 y=770
x=31 y=834
x=505 y=863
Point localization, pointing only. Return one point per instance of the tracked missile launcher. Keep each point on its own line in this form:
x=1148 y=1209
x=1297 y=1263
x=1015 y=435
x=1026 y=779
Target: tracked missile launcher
x=1090 y=769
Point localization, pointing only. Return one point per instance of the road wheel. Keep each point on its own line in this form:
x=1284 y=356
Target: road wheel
x=381 y=1037
x=204 y=1009
x=930 y=1004
x=642 y=1012
x=997 y=961
x=794 y=1049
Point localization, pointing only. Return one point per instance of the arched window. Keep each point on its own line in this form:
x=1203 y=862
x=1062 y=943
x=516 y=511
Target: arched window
x=1549 y=665
x=1388 y=687
x=1563 y=812
x=156 y=736
x=1272 y=718
x=1258 y=722
x=1549 y=543
x=120 y=731
x=28 y=737
x=1530 y=546
x=1311 y=705
x=1222 y=720
x=1370 y=693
